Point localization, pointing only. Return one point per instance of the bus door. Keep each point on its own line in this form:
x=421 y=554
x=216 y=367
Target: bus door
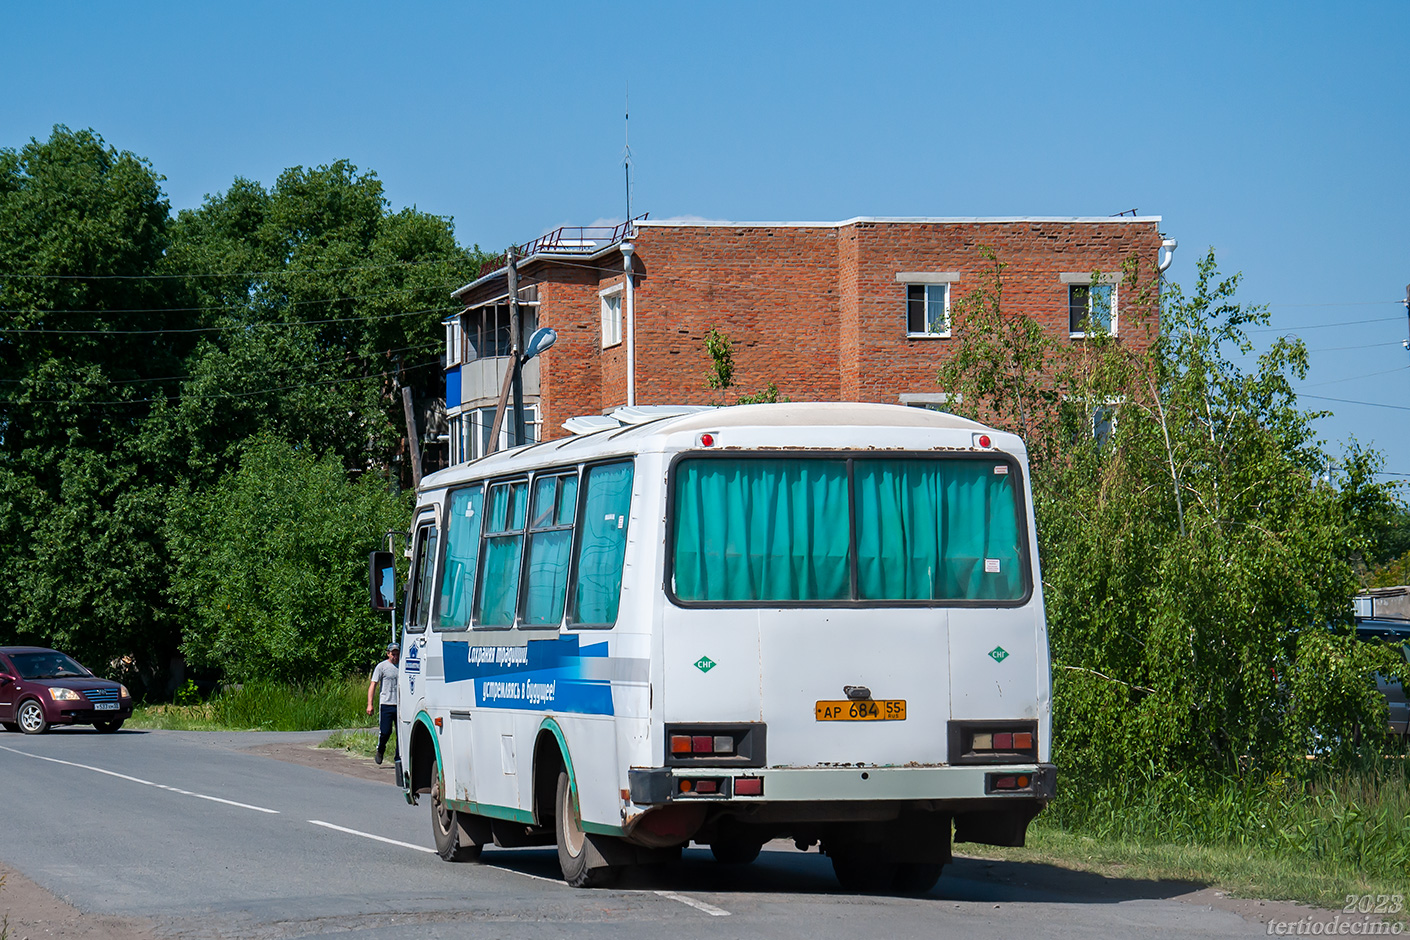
x=411 y=674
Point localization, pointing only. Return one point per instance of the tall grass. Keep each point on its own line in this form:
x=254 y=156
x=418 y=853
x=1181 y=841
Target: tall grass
x=1351 y=824
x=267 y=706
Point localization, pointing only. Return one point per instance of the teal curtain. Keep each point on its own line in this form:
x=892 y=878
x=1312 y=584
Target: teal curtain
x=607 y=496
x=504 y=547
x=550 y=544
x=761 y=529
x=937 y=530
x=462 y=555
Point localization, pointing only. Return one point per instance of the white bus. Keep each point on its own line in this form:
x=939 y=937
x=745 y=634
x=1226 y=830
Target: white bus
x=818 y=622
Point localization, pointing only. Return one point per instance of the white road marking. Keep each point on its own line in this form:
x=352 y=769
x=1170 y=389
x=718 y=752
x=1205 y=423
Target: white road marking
x=524 y=874
x=368 y=835
x=710 y=909
x=145 y=783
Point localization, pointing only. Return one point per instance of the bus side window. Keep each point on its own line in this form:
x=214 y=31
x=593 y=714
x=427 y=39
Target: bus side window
x=550 y=544
x=602 y=544
x=461 y=559
x=497 y=594
x=418 y=599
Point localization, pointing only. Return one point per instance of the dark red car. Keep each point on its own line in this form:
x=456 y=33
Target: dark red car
x=41 y=687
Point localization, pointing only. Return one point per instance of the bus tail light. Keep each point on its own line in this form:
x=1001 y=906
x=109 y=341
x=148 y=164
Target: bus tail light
x=712 y=743
x=995 y=783
x=703 y=786
x=748 y=786
x=993 y=742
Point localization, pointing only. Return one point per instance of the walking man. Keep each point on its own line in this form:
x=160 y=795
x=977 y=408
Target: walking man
x=386 y=674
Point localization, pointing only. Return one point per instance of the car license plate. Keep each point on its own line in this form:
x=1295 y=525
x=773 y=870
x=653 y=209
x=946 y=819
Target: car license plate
x=890 y=709
x=105 y=706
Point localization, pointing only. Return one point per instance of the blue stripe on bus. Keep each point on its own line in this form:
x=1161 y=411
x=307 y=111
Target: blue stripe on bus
x=542 y=675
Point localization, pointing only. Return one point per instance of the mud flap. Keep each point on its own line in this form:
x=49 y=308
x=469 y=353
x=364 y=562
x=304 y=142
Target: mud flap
x=1007 y=826
x=608 y=852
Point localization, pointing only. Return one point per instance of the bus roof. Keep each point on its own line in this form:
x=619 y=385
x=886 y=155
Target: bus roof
x=817 y=422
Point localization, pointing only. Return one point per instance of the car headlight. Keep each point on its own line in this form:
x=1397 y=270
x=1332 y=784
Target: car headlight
x=65 y=695
x=122 y=690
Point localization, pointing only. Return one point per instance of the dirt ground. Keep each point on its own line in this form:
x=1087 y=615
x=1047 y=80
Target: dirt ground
x=35 y=914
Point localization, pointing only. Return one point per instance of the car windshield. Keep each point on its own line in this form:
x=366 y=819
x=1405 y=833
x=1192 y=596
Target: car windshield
x=47 y=666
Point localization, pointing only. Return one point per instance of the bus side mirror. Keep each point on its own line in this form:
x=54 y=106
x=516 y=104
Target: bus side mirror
x=381 y=576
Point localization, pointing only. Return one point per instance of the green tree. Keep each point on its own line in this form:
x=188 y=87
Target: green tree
x=91 y=343
x=720 y=349
x=1195 y=549
x=323 y=304
x=271 y=562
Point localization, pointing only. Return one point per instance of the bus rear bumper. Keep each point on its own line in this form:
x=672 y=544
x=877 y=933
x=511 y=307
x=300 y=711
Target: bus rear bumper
x=961 y=786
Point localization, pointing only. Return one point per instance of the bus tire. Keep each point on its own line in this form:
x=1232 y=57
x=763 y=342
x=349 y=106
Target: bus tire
x=575 y=847
x=450 y=828
x=916 y=877
x=734 y=851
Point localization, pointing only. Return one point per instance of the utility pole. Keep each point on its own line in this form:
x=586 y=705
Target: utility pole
x=516 y=349
x=513 y=379
x=1406 y=344
x=413 y=445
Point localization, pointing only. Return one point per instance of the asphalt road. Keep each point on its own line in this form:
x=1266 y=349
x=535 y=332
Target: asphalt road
x=207 y=839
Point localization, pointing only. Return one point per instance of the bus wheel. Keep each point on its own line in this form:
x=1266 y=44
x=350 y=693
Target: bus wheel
x=916 y=877
x=448 y=826
x=574 y=846
x=734 y=851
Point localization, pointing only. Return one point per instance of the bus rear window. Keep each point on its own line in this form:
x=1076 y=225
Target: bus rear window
x=818 y=529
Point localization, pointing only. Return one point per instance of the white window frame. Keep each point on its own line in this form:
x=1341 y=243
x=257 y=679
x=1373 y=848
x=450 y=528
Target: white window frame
x=929 y=280
x=611 y=322
x=454 y=344
x=479 y=421
x=1069 y=280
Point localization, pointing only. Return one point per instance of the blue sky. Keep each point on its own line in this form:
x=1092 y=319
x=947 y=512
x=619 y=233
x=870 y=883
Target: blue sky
x=1277 y=133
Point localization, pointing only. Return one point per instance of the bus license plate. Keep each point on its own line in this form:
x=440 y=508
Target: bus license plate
x=893 y=709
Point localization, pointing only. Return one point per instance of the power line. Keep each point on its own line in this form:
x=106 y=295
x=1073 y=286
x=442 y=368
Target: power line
x=1355 y=378
x=1362 y=346
x=278 y=273
x=1321 y=326
x=176 y=378
x=1353 y=401
x=229 y=395
x=237 y=326
x=240 y=306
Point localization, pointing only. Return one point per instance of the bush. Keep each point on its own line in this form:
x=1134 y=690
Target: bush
x=266 y=705
x=271 y=564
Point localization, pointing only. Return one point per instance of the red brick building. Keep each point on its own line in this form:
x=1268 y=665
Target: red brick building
x=847 y=311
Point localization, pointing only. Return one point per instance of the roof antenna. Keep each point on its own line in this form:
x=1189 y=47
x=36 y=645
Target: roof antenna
x=627 y=153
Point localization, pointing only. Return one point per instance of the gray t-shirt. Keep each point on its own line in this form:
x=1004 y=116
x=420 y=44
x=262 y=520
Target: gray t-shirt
x=386 y=673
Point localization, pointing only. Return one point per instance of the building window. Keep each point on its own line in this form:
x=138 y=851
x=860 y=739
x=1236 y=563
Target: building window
x=1091 y=308
x=1103 y=423
x=485 y=330
x=455 y=427
x=611 y=316
x=928 y=310
x=932 y=401
x=481 y=424
x=454 y=347
x=927 y=302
